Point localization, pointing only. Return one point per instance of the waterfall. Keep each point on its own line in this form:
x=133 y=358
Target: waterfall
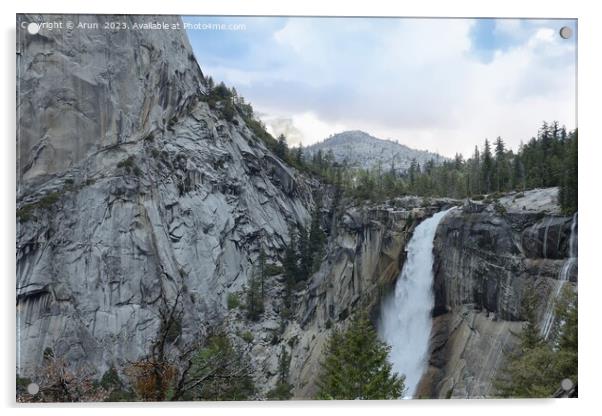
x=563 y=277
x=405 y=322
x=545 y=239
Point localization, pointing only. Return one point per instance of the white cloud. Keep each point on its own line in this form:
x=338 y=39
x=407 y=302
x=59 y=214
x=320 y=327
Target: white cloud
x=415 y=80
x=306 y=128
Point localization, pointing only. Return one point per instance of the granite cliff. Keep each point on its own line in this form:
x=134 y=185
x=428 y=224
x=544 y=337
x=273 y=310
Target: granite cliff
x=136 y=193
x=488 y=255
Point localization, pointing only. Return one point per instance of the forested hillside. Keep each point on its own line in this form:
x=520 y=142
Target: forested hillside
x=546 y=160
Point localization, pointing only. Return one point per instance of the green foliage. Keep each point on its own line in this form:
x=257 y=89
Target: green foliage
x=247 y=337
x=255 y=297
x=112 y=383
x=281 y=148
x=569 y=178
x=172 y=329
x=26 y=212
x=499 y=208
x=219 y=371
x=538 y=366
x=283 y=388
x=317 y=238
x=291 y=268
x=110 y=379
x=303 y=255
x=130 y=166
x=233 y=301
x=21 y=384
x=550 y=159
x=272 y=270
x=356 y=366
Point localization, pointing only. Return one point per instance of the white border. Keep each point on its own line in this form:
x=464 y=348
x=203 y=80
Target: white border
x=589 y=94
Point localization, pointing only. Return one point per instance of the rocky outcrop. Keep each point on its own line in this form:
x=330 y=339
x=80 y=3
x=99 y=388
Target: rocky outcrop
x=139 y=195
x=160 y=199
x=485 y=259
x=364 y=259
x=134 y=193
x=82 y=90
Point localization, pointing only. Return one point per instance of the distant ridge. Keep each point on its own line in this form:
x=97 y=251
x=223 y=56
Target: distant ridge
x=359 y=149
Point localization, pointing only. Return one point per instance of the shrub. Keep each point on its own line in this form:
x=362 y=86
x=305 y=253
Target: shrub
x=25 y=213
x=130 y=167
x=233 y=301
x=499 y=208
x=272 y=270
x=247 y=336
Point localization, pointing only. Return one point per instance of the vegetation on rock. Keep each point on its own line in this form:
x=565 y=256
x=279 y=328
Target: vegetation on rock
x=356 y=365
x=538 y=366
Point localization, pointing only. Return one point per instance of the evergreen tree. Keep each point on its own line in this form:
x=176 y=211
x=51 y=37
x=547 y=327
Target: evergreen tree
x=218 y=371
x=304 y=254
x=518 y=171
x=569 y=186
x=317 y=237
x=475 y=173
x=501 y=166
x=487 y=168
x=281 y=148
x=537 y=367
x=299 y=154
x=291 y=270
x=255 y=300
x=356 y=366
x=413 y=172
x=283 y=388
x=262 y=269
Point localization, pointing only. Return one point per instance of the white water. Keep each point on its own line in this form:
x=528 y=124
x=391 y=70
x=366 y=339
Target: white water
x=405 y=321
x=563 y=277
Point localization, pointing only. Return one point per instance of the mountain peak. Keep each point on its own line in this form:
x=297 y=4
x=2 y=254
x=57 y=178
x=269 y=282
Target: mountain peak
x=362 y=150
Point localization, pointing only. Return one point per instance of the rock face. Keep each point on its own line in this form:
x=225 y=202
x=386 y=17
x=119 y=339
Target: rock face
x=82 y=90
x=364 y=260
x=134 y=194
x=484 y=261
x=141 y=195
x=133 y=191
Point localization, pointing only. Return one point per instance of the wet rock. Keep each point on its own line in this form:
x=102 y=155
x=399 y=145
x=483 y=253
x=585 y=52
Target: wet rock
x=484 y=261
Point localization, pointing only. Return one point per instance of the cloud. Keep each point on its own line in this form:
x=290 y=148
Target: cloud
x=305 y=128
x=440 y=84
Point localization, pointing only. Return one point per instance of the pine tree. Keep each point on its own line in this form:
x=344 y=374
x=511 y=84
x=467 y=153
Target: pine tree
x=356 y=366
x=317 y=237
x=487 y=168
x=501 y=168
x=299 y=154
x=304 y=254
x=569 y=186
x=518 y=170
x=281 y=148
x=255 y=300
x=475 y=172
x=413 y=172
x=291 y=270
x=283 y=388
x=536 y=367
x=262 y=269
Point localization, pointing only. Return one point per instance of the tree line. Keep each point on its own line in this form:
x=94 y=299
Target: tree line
x=546 y=160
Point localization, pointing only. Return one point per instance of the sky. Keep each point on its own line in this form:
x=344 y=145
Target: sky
x=442 y=85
